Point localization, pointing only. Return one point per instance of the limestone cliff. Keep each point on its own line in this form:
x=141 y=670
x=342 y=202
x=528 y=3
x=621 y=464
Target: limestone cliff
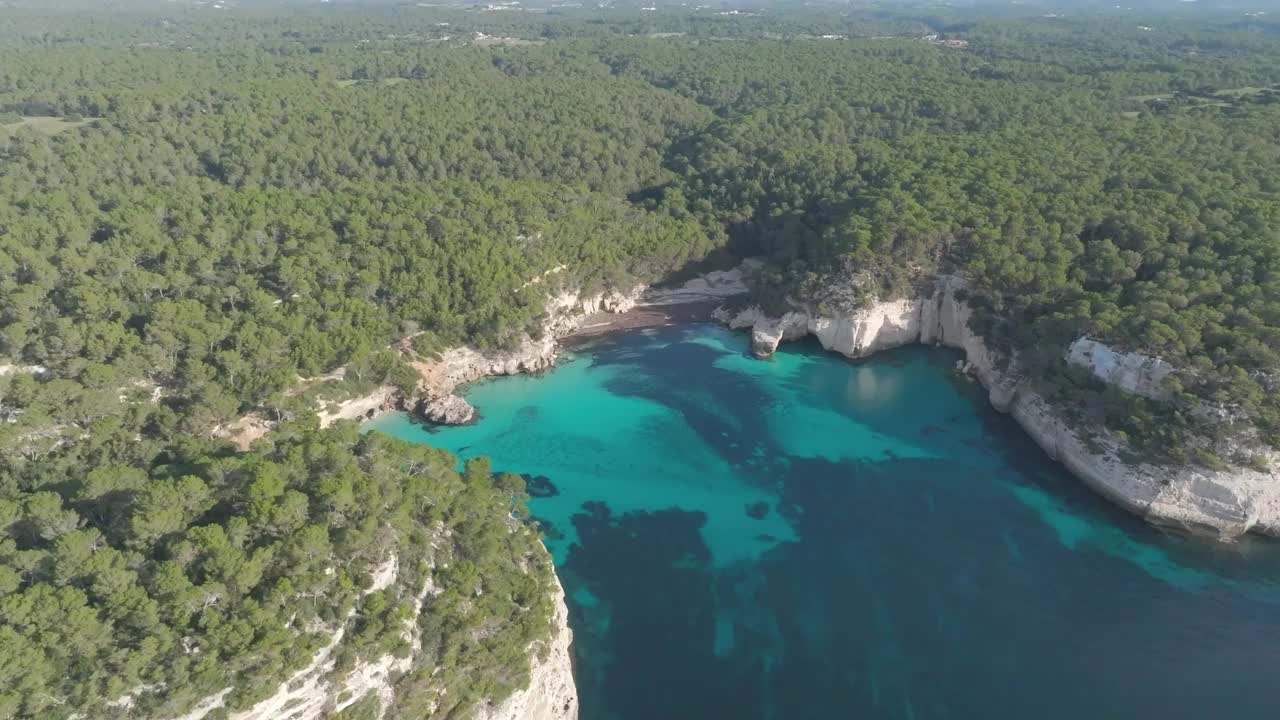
x=1225 y=503
x=359 y=408
x=435 y=399
x=315 y=692
x=1132 y=372
x=565 y=313
x=551 y=694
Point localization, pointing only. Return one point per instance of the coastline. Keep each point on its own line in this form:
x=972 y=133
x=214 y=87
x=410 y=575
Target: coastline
x=571 y=318
x=1223 y=504
x=1186 y=499
x=643 y=316
x=1218 y=503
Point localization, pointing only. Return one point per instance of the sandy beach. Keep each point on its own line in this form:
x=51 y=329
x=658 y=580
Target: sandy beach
x=645 y=316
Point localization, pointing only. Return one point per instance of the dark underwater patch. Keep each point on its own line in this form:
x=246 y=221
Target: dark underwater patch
x=549 y=529
x=540 y=486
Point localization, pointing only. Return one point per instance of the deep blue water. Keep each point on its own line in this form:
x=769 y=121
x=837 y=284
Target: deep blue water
x=807 y=537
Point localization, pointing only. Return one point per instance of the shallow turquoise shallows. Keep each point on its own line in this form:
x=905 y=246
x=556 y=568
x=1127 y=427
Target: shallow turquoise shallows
x=807 y=537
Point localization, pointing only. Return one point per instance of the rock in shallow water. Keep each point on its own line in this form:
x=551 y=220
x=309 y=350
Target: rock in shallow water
x=767 y=334
x=447 y=410
x=764 y=343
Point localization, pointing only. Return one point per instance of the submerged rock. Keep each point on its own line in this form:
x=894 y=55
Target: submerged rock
x=540 y=486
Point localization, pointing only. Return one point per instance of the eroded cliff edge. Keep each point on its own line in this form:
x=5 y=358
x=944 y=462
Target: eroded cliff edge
x=320 y=689
x=551 y=694
x=1226 y=503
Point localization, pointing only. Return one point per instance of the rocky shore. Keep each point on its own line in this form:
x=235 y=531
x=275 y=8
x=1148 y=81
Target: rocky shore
x=569 y=314
x=436 y=399
x=1223 y=503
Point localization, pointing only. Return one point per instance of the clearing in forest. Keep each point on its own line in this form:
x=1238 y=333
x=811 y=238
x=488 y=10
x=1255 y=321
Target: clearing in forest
x=46 y=124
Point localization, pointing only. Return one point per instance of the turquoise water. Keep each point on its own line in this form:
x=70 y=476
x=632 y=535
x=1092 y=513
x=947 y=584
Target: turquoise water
x=807 y=537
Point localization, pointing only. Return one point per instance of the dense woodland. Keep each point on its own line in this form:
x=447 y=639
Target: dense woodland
x=199 y=209
x=204 y=569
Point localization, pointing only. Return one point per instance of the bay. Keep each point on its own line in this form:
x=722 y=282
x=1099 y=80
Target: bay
x=807 y=537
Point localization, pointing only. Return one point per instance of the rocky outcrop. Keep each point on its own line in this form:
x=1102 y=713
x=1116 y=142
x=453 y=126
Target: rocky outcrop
x=767 y=334
x=382 y=398
x=435 y=399
x=1221 y=503
x=551 y=694
x=715 y=285
x=1132 y=372
x=6 y=369
x=1225 y=503
x=447 y=410
x=313 y=692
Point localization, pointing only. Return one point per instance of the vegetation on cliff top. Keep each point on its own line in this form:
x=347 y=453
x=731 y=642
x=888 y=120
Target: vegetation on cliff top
x=204 y=569
x=265 y=194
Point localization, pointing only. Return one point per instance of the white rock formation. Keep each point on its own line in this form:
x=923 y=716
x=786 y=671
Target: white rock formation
x=715 y=285
x=309 y=693
x=610 y=302
x=1225 y=503
x=27 y=369
x=766 y=333
x=1132 y=372
x=383 y=397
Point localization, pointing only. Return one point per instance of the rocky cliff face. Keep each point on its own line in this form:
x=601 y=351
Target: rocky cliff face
x=385 y=396
x=436 y=400
x=565 y=313
x=1132 y=372
x=551 y=694
x=1224 y=503
x=715 y=285
x=314 y=692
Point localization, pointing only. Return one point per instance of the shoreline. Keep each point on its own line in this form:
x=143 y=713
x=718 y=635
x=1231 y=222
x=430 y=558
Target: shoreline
x=643 y=316
x=571 y=318
x=1130 y=488
x=1197 y=500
